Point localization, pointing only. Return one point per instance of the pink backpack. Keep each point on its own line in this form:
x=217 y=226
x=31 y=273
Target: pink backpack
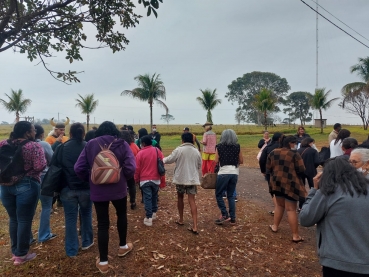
x=106 y=168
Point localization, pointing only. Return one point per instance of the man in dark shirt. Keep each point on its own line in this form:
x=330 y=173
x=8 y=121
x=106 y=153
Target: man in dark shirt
x=156 y=136
x=186 y=130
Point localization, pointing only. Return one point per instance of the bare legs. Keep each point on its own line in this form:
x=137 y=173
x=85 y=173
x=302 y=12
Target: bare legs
x=290 y=207
x=193 y=207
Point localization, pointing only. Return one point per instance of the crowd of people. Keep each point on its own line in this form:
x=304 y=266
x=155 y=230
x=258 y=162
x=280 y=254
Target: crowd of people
x=106 y=164
x=103 y=166
x=337 y=200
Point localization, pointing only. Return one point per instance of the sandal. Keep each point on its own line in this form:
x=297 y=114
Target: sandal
x=298 y=240
x=271 y=212
x=271 y=228
x=179 y=223
x=193 y=231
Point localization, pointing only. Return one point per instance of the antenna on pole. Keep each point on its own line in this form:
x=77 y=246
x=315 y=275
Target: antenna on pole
x=317 y=52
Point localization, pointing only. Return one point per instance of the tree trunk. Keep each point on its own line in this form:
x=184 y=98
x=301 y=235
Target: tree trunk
x=88 y=123
x=150 y=103
x=17 y=116
x=265 y=120
x=209 y=117
x=321 y=121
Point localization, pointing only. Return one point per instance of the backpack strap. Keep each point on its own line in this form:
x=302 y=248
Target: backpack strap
x=107 y=147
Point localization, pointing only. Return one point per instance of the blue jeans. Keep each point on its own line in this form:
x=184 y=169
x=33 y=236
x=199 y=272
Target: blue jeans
x=44 y=231
x=226 y=182
x=150 y=195
x=72 y=199
x=20 y=201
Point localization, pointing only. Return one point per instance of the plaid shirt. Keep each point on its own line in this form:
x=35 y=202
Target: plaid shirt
x=284 y=166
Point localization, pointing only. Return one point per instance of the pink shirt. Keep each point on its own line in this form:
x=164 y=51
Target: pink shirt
x=147 y=165
x=209 y=140
x=34 y=159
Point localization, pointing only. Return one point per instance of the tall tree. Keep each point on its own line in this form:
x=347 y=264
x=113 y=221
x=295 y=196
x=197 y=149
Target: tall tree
x=243 y=90
x=265 y=102
x=41 y=28
x=300 y=107
x=87 y=105
x=209 y=101
x=167 y=117
x=16 y=103
x=150 y=89
x=356 y=95
x=319 y=101
x=239 y=116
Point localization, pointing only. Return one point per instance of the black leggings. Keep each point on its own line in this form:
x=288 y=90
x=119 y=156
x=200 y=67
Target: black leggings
x=131 y=190
x=103 y=223
x=311 y=185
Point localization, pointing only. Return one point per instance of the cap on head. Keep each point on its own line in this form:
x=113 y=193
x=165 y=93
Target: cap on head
x=59 y=125
x=207 y=124
x=186 y=129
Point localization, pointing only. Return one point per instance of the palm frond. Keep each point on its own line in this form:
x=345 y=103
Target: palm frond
x=162 y=104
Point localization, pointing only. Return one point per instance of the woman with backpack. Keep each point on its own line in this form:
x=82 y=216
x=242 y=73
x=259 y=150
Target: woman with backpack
x=22 y=161
x=75 y=194
x=88 y=168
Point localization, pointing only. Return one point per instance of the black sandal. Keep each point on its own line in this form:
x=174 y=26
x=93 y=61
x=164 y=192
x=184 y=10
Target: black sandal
x=193 y=231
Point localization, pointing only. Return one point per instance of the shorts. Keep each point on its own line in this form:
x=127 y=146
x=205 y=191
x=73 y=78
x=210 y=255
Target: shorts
x=282 y=195
x=182 y=189
x=208 y=156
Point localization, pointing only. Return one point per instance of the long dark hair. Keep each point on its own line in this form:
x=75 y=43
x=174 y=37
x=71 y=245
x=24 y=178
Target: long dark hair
x=344 y=133
x=286 y=140
x=142 y=132
x=339 y=172
x=77 y=131
x=107 y=128
x=20 y=129
x=126 y=135
x=306 y=142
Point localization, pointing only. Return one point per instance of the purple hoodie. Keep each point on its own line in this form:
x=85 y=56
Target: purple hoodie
x=122 y=151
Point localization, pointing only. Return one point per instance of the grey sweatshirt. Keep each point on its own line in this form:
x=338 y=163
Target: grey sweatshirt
x=342 y=229
x=48 y=153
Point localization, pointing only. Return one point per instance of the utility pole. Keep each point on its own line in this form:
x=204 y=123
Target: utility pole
x=58 y=116
x=317 y=44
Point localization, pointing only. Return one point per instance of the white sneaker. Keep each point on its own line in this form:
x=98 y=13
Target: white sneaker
x=87 y=247
x=154 y=216
x=148 y=221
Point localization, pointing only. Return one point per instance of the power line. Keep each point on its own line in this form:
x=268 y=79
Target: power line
x=340 y=20
x=334 y=24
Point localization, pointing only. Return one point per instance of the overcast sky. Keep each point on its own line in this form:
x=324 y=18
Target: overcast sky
x=197 y=45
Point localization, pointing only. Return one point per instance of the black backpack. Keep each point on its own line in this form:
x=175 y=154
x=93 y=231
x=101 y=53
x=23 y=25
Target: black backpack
x=324 y=155
x=11 y=161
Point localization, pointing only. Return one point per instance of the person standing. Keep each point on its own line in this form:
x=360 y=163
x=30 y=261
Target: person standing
x=336 y=145
x=148 y=177
x=186 y=176
x=300 y=135
x=155 y=135
x=264 y=141
x=228 y=155
x=44 y=231
x=127 y=136
x=102 y=195
x=333 y=135
x=338 y=205
x=20 y=195
x=75 y=193
x=209 y=140
x=187 y=130
x=56 y=136
x=285 y=165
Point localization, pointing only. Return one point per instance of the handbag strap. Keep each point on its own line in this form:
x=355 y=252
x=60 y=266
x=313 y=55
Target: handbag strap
x=304 y=151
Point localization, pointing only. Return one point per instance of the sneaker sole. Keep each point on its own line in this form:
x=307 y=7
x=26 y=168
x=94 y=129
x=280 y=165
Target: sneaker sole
x=20 y=263
x=87 y=247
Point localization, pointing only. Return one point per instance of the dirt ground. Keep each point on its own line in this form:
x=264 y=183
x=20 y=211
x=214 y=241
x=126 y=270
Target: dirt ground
x=247 y=249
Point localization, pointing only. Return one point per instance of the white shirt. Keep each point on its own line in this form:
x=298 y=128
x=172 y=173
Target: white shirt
x=336 y=149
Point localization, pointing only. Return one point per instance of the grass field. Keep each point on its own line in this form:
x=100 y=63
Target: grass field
x=248 y=135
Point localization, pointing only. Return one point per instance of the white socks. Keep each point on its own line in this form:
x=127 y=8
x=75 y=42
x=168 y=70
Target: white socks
x=124 y=247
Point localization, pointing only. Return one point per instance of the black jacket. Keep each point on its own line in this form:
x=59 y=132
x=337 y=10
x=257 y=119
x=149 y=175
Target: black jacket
x=69 y=156
x=262 y=142
x=299 y=139
x=311 y=160
x=264 y=155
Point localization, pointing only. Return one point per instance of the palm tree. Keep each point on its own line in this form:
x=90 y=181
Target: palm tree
x=352 y=90
x=209 y=101
x=16 y=103
x=150 y=89
x=87 y=105
x=319 y=101
x=265 y=102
